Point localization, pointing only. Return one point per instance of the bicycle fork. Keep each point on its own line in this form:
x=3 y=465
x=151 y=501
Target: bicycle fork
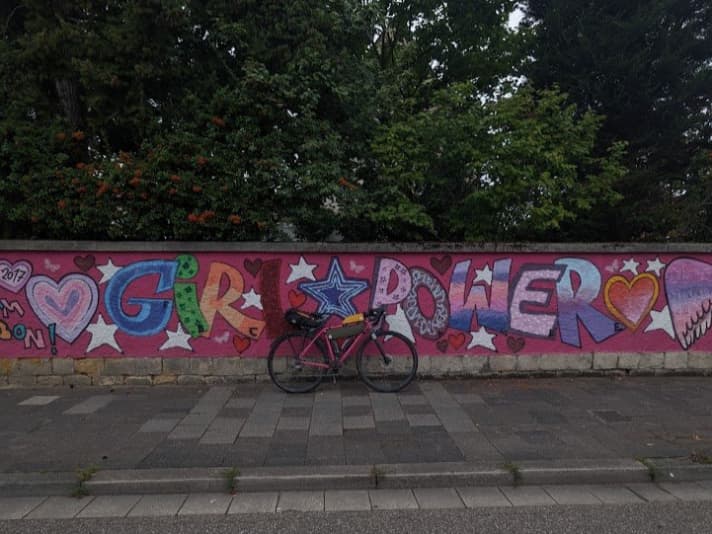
x=387 y=360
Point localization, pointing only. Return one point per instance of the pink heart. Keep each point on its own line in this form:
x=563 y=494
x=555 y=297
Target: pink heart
x=14 y=276
x=69 y=304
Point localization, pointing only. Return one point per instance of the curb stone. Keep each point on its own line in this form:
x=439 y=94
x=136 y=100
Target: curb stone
x=392 y=476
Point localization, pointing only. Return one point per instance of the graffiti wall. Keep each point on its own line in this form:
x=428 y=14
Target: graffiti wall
x=226 y=304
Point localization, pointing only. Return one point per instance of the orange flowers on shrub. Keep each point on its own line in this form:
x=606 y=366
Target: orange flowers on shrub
x=103 y=188
x=201 y=218
x=201 y=161
x=136 y=180
x=78 y=135
x=197 y=188
x=218 y=121
x=343 y=182
x=175 y=178
x=234 y=219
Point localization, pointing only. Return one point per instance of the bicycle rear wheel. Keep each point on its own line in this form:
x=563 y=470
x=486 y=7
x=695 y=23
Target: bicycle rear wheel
x=290 y=368
x=387 y=361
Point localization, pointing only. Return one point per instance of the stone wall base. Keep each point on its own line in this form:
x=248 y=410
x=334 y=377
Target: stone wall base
x=27 y=372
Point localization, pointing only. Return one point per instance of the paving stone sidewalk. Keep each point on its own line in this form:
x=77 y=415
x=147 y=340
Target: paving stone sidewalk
x=247 y=425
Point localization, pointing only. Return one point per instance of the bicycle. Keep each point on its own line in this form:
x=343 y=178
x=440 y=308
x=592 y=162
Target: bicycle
x=298 y=360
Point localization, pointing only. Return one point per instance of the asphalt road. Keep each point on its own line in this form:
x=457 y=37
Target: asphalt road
x=644 y=519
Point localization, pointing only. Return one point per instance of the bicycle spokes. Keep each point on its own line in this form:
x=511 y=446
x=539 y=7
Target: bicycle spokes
x=387 y=361
x=296 y=364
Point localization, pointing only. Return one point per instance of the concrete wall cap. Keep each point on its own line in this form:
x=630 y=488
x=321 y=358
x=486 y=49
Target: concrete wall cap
x=327 y=247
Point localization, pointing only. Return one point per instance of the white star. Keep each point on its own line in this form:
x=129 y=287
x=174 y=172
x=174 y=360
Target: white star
x=399 y=323
x=482 y=338
x=655 y=266
x=301 y=270
x=178 y=339
x=252 y=300
x=102 y=334
x=484 y=275
x=661 y=320
x=630 y=265
x=108 y=271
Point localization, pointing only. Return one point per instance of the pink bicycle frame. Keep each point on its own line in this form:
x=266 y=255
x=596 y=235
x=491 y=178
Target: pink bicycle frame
x=335 y=362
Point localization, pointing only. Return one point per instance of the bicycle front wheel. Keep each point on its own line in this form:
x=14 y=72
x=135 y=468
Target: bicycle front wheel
x=294 y=368
x=387 y=361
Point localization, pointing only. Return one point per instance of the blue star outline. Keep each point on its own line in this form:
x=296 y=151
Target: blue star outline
x=334 y=294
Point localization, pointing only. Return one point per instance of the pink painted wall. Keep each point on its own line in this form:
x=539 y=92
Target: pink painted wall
x=118 y=304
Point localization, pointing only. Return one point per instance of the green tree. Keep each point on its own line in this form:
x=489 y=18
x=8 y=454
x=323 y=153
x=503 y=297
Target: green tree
x=516 y=168
x=422 y=46
x=258 y=119
x=165 y=119
x=420 y=49
x=647 y=67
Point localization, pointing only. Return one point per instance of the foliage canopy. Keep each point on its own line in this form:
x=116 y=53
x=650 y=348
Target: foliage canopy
x=369 y=119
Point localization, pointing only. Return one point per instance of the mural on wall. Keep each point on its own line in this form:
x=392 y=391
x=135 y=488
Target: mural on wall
x=228 y=304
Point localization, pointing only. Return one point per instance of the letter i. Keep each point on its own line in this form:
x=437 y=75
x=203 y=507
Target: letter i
x=186 y=297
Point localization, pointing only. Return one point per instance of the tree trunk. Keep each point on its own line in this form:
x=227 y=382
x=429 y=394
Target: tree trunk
x=69 y=97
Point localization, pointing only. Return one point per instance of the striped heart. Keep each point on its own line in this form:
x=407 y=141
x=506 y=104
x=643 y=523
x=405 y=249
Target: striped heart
x=69 y=304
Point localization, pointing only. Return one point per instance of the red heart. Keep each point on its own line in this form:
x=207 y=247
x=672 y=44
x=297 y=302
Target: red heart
x=296 y=298
x=456 y=340
x=85 y=262
x=253 y=266
x=441 y=264
x=631 y=301
x=515 y=343
x=241 y=344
